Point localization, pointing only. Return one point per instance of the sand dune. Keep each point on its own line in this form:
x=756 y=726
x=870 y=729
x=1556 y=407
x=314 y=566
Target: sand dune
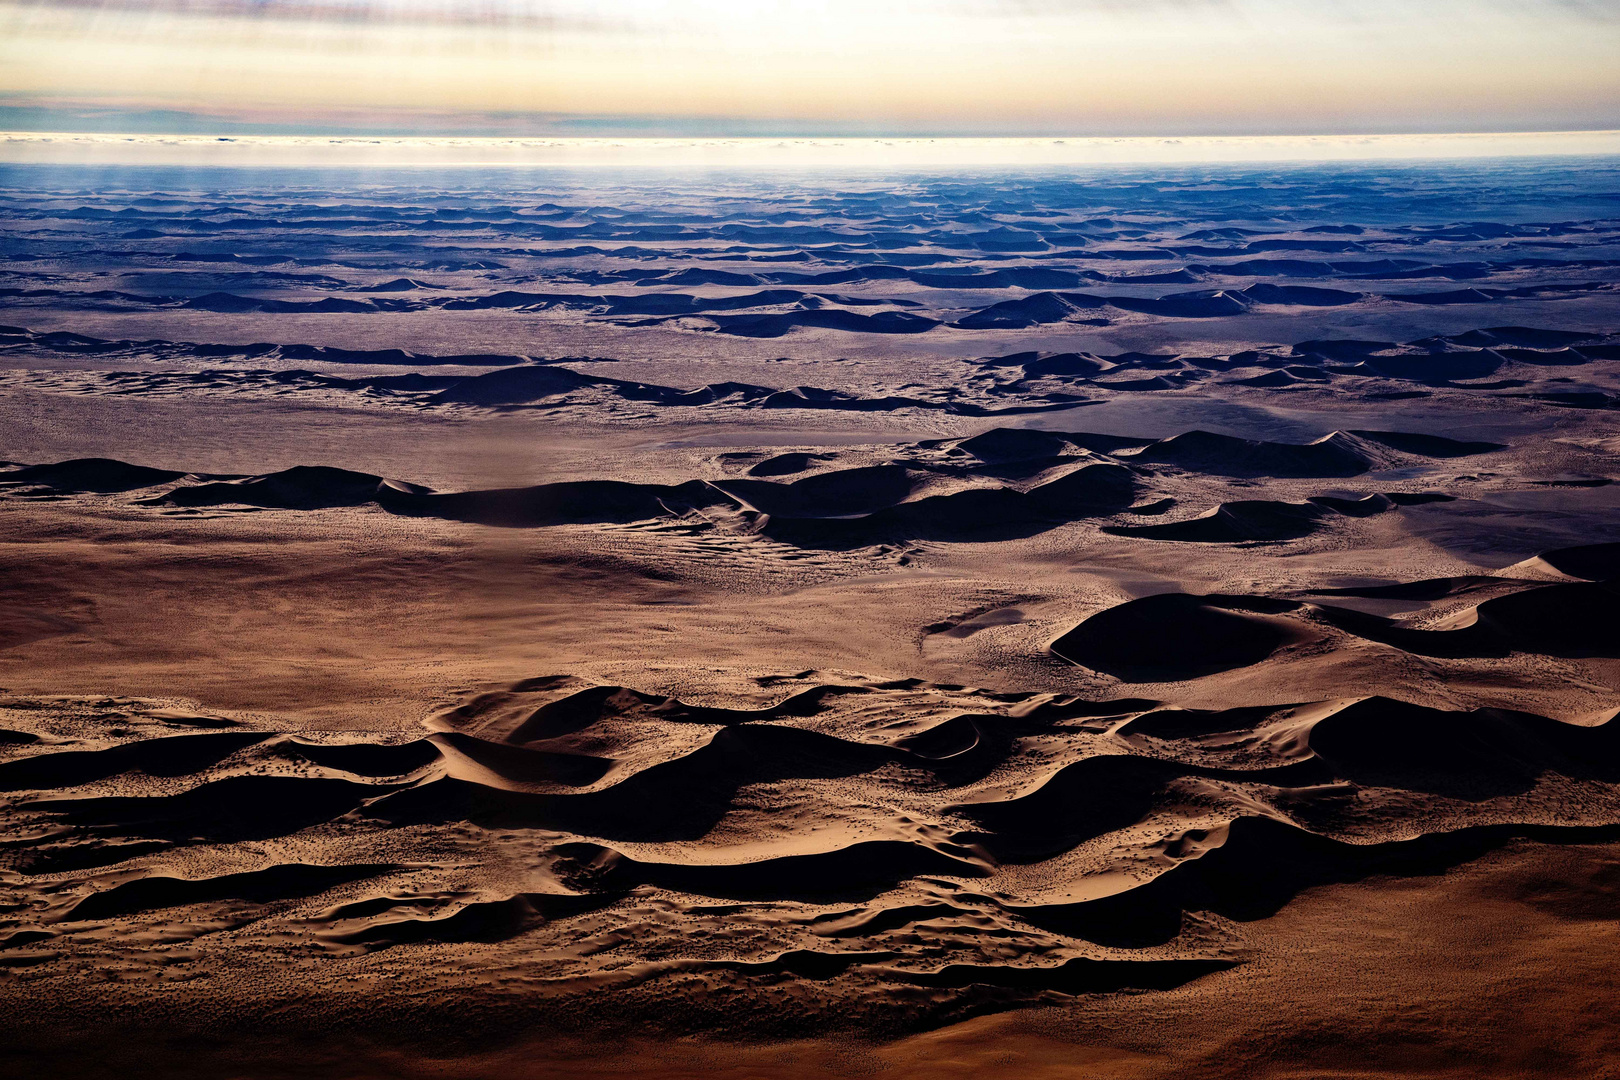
x=1475 y=755
x=1255 y=865
x=89 y=474
x=1340 y=454
x=1556 y=620
x=1232 y=523
x=1247 y=833
x=1260 y=520
x=257 y=886
x=1174 y=636
x=303 y=487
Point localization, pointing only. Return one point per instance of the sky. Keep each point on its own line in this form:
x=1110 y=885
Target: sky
x=809 y=67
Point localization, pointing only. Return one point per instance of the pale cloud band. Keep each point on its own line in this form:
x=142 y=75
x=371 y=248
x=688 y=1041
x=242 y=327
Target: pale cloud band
x=44 y=148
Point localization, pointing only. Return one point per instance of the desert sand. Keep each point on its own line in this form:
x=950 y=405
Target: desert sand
x=1112 y=623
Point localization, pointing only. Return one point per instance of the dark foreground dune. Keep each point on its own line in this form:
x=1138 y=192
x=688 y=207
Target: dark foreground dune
x=1152 y=624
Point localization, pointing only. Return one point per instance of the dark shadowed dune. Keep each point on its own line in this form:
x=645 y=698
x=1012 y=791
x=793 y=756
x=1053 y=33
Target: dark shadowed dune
x=787 y=464
x=1335 y=455
x=302 y=487
x=1522 y=337
x=1372 y=505
x=361 y=758
x=281 y=882
x=976 y=513
x=1260 y=864
x=1095 y=796
x=584 y=501
x=1181 y=723
x=1436 y=369
x=395 y=285
x=176 y=755
x=1062 y=365
x=1174 y=636
x=90 y=474
x=1340 y=454
x=964 y=748
x=1594 y=562
x=478 y=921
x=1236 y=522
x=1078 y=976
x=522 y=765
x=859 y=871
x=1271 y=380
x=1434 y=446
x=1265 y=521
x=770 y=326
x=552 y=706
x=1033 y=310
x=233 y=808
x=1015 y=444
x=513 y=386
x=845 y=493
x=1019 y=444
x=1431 y=589
x=1481 y=754
x=694 y=791
x=1037 y=365
x=1302 y=295
x=1203 y=304
x=1344 y=351
x=1573 y=620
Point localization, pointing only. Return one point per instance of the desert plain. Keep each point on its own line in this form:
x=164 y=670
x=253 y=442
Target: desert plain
x=1116 y=622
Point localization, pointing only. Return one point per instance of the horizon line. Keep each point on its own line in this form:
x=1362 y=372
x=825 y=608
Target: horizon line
x=236 y=149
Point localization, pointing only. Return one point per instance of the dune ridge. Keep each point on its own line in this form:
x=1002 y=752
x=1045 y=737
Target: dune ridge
x=1174 y=636
x=1004 y=482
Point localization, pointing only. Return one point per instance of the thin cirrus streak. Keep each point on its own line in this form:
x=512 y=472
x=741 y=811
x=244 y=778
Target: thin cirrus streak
x=494 y=13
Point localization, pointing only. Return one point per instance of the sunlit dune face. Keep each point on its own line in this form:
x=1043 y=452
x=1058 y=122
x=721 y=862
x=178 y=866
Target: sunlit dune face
x=834 y=66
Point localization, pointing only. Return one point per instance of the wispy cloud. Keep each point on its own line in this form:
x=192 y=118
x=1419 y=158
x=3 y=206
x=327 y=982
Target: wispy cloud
x=536 y=14
x=650 y=16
